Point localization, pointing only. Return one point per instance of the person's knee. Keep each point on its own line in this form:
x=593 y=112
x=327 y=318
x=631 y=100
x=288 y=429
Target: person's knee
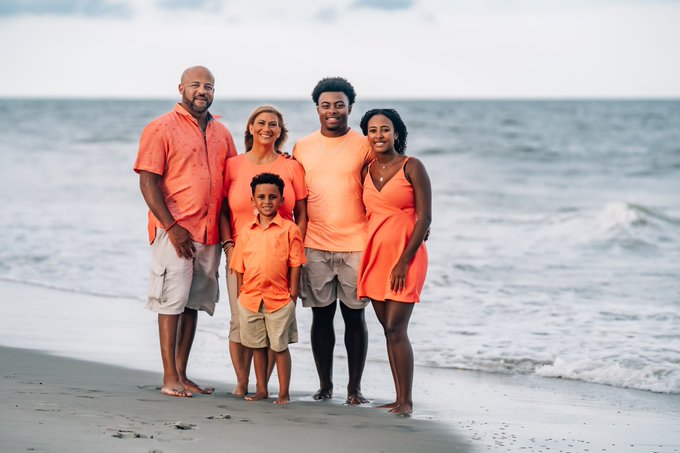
x=354 y=318
x=394 y=332
x=324 y=315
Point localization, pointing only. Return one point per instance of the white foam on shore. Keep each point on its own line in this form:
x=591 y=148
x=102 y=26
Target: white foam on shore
x=653 y=378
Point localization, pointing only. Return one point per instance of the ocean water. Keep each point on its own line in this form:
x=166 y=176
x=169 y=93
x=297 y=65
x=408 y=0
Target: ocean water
x=555 y=245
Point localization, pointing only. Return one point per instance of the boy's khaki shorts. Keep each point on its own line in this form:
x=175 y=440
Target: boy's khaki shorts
x=177 y=283
x=275 y=330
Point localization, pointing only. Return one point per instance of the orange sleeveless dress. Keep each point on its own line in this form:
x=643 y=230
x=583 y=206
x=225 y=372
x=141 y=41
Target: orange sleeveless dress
x=391 y=219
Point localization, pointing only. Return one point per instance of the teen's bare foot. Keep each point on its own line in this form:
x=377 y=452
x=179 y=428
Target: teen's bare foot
x=356 y=398
x=403 y=410
x=194 y=388
x=257 y=397
x=176 y=390
x=323 y=394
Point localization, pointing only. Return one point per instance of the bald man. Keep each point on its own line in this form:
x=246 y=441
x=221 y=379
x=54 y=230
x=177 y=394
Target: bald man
x=180 y=162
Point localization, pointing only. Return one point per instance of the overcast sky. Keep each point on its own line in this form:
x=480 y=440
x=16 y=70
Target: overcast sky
x=386 y=48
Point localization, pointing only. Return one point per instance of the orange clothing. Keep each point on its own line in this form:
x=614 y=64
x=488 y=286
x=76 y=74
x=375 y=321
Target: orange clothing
x=335 y=211
x=263 y=256
x=240 y=171
x=192 y=168
x=391 y=219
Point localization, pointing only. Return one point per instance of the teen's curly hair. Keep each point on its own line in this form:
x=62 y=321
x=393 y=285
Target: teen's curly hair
x=334 y=84
x=400 y=131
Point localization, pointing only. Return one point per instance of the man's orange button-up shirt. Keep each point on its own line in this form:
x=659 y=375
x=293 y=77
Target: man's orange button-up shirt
x=192 y=168
x=263 y=256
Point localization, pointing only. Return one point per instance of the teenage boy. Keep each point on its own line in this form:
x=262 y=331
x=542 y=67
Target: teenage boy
x=267 y=259
x=333 y=158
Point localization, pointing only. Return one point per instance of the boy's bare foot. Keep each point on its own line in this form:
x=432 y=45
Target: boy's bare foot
x=282 y=399
x=356 y=398
x=388 y=406
x=176 y=390
x=323 y=394
x=193 y=387
x=403 y=410
x=240 y=389
x=257 y=397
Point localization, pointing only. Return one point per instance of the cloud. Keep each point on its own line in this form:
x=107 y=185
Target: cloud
x=388 y=5
x=91 y=8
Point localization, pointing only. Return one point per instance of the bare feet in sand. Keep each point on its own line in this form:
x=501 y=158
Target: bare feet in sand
x=355 y=398
x=403 y=410
x=176 y=390
x=323 y=394
x=282 y=399
x=194 y=388
x=240 y=390
x=257 y=397
x=388 y=406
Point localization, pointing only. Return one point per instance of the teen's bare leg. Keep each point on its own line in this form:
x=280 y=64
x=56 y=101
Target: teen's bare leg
x=397 y=318
x=283 y=368
x=167 y=332
x=323 y=344
x=240 y=359
x=356 y=343
x=260 y=363
x=380 y=308
x=185 y=339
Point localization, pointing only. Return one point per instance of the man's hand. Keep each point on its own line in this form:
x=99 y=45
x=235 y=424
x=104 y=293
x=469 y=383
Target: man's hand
x=182 y=241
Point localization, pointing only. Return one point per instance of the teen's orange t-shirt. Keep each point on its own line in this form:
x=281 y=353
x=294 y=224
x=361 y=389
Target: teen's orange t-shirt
x=237 y=176
x=335 y=210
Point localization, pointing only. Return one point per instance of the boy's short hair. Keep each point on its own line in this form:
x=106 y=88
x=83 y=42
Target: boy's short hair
x=334 y=84
x=267 y=178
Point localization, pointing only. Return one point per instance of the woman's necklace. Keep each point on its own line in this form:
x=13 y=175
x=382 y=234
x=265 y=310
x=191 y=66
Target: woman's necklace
x=384 y=166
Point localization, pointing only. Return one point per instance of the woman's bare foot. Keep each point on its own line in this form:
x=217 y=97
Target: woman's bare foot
x=388 y=406
x=403 y=410
x=323 y=394
x=176 y=390
x=240 y=389
x=193 y=387
x=257 y=397
x=356 y=398
x=282 y=399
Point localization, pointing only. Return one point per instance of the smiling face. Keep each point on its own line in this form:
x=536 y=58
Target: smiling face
x=267 y=199
x=381 y=134
x=265 y=129
x=197 y=89
x=333 y=109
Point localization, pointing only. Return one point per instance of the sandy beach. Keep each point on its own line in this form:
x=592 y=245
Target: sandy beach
x=51 y=402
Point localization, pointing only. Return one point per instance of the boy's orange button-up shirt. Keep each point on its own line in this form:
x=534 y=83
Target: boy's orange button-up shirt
x=263 y=256
x=192 y=169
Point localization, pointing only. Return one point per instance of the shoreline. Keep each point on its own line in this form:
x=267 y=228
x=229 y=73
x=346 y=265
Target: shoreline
x=471 y=411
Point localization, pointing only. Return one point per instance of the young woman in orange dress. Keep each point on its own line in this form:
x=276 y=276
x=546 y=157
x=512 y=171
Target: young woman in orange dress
x=398 y=200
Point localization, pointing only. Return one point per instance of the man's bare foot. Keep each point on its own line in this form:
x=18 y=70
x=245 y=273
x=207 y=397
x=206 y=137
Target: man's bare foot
x=282 y=399
x=193 y=387
x=176 y=390
x=323 y=394
x=403 y=410
x=388 y=406
x=240 y=389
x=257 y=397
x=356 y=398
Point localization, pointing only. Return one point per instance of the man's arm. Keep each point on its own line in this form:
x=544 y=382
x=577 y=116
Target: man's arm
x=179 y=237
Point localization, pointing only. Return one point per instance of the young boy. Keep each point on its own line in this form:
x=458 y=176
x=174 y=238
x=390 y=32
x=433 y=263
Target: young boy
x=267 y=259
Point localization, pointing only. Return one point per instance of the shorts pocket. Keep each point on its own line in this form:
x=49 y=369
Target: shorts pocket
x=157 y=282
